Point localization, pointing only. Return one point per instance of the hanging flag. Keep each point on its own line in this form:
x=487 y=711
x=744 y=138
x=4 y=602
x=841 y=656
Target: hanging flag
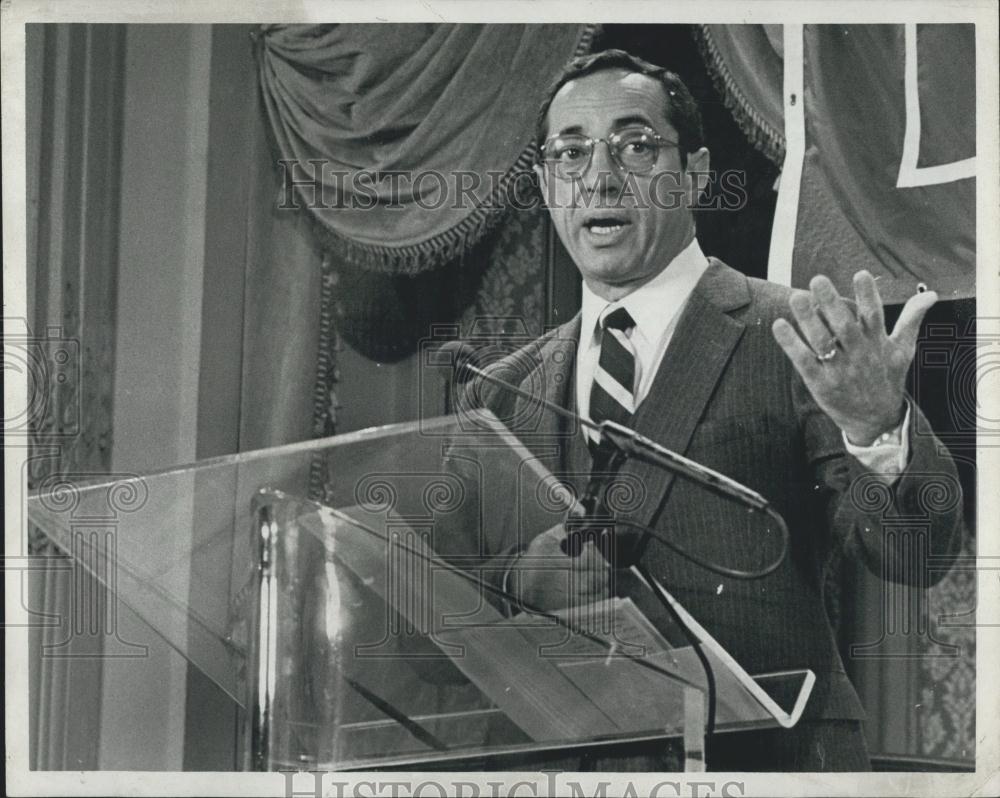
x=888 y=179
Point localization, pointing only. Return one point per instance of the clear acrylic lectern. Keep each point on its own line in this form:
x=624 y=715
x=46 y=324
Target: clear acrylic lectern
x=344 y=593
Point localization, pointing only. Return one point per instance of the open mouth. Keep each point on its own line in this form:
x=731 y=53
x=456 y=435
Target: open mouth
x=605 y=225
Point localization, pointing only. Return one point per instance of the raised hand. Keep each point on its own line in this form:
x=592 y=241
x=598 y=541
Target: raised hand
x=854 y=370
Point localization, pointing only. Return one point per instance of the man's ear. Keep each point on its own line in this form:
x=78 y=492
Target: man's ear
x=697 y=172
x=543 y=184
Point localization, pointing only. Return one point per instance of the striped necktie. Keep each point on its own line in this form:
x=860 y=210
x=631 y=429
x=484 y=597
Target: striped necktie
x=612 y=396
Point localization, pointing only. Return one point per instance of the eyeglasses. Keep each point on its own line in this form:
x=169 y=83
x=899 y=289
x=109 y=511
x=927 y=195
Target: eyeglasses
x=633 y=149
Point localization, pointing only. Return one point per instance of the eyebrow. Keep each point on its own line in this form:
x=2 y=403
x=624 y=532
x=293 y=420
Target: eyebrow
x=622 y=121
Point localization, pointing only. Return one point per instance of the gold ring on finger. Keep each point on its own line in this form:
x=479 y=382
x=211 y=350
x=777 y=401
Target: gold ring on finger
x=826 y=357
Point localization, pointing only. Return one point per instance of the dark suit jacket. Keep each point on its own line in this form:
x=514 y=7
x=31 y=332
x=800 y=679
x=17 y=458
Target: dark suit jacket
x=728 y=397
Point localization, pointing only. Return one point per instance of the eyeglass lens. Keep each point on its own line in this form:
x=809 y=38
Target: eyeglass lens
x=633 y=150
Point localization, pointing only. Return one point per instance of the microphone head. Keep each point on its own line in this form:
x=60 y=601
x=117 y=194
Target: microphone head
x=509 y=381
x=464 y=358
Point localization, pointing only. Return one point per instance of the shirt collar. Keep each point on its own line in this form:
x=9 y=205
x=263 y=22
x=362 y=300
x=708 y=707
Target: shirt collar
x=653 y=305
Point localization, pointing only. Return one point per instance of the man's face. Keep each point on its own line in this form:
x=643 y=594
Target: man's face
x=621 y=230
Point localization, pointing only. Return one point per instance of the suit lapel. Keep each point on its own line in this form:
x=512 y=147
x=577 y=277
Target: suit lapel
x=702 y=344
x=550 y=377
x=699 y=350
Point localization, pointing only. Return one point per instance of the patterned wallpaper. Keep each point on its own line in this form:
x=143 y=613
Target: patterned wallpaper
x=511 y=296
x=945 y=714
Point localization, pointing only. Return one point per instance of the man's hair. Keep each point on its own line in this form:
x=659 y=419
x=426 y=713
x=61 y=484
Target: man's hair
x=682 y=111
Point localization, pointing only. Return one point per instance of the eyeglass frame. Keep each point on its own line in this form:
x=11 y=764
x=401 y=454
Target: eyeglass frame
x=660 y=141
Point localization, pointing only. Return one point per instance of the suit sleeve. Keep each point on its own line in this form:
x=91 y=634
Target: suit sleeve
x=898 y=528
x=499 y=553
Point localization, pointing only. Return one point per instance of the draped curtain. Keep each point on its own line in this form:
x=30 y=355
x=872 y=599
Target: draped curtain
x=406 y=141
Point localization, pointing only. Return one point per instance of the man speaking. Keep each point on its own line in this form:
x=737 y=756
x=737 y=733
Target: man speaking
x=797 y=394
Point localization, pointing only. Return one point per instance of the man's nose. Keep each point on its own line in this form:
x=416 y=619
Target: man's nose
x=603 y=172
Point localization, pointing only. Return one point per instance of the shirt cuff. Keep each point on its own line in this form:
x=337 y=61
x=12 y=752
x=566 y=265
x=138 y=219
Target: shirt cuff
x=888 y=455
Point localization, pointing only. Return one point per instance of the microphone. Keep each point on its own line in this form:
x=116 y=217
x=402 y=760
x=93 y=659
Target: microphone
x=631 y=443
x=464 y=360
x=628 y=442
x=618 y=443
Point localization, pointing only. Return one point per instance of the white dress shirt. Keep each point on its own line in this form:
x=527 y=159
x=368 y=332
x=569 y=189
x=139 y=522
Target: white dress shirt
x=655 y=307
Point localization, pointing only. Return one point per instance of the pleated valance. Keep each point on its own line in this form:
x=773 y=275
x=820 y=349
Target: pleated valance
x=406 y=141
x=746 y=64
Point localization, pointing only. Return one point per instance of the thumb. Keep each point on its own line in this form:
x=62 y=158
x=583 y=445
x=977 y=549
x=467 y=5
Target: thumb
x=908 y=325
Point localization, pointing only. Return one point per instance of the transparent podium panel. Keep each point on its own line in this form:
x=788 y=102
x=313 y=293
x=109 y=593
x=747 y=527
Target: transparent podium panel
x=348 y=594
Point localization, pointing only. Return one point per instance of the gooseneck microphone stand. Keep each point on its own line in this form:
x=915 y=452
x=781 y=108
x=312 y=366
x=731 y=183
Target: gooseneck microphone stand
x=617 y=443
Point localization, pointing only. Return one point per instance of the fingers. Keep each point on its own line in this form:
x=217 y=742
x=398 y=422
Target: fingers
x=869 y=302
x=548 y=579
x=815 y=331
x=838 y=315
x=802 y=357
x=548 y=543
x=908 y=325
